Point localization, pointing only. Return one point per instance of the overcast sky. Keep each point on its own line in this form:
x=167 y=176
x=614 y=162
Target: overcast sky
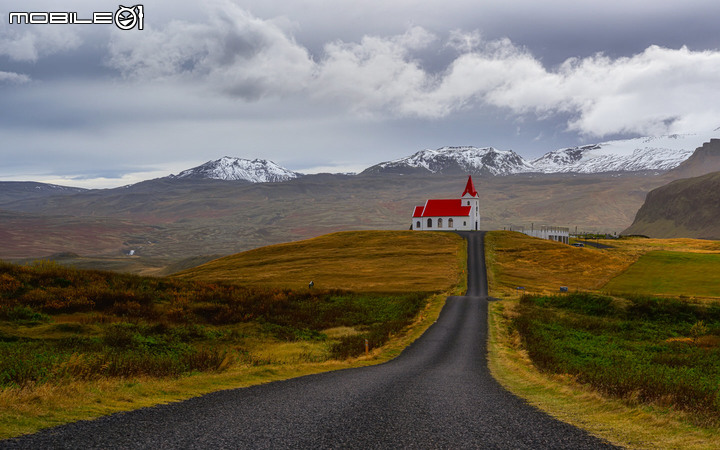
x=336 y=85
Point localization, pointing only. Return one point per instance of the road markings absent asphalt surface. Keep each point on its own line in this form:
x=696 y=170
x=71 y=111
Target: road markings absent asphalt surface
x=437 y=394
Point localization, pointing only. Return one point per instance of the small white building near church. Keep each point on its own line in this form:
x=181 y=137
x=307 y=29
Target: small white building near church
x=557 y=234
x=449 y=214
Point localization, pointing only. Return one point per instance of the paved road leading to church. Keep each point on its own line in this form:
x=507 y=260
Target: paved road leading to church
x=437 y=394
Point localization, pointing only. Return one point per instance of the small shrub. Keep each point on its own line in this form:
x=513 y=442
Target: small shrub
x=121 y=335
x=8 y=283
x=26 y=315
x=349 y=347
x=698 y=330
x=662 y=309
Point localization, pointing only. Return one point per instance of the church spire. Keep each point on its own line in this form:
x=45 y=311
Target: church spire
x=469 y=188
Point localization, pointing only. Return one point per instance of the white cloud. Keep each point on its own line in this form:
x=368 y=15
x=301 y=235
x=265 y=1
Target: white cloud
x=12 y=77
x=376 y=74
x=658 y=91
x=21 y=43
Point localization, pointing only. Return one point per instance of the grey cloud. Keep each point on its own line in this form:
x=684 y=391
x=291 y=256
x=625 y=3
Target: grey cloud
x=233 y=52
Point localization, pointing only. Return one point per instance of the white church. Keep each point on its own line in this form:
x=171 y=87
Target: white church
x=453 y=214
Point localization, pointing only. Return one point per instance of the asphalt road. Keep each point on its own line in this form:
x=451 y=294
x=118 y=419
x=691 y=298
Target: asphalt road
x=437 y=394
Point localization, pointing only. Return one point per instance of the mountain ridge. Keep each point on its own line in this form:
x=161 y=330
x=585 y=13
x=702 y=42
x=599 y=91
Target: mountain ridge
x=648 y=154
x=688 y=207
x=652 y=155
x=455 y=160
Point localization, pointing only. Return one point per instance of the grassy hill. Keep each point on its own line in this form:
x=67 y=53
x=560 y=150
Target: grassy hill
x=361 y=261
x=542 y=266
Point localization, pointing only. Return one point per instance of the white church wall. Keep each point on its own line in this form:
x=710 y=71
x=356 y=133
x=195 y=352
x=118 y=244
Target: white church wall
x=458 y=223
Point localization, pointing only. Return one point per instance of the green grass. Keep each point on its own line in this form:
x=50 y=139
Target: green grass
x=646 y=350
x=671 y=273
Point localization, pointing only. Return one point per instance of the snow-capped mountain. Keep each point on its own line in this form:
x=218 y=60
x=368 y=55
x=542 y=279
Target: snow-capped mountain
x=229 y=168
x=659 y=153
x=647 y=154
x=447 y=160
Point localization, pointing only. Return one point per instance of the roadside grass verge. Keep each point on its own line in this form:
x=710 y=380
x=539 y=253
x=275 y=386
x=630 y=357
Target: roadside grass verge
x=625 y=423
x=671 y=273
x=76 y=344
x=595 y=358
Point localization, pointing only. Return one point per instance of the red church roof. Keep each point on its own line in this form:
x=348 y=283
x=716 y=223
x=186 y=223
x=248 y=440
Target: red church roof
x=469 y=188
x=445 y=208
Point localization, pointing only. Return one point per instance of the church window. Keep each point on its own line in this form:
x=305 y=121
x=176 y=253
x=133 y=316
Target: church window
x=464 y=224
x=468 y=202
x=450 y=223
x=440 y=222
x=418 y=225
x=429 y=223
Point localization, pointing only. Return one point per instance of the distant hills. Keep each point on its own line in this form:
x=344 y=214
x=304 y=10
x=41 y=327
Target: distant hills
x=687 y=207
x=20 y=190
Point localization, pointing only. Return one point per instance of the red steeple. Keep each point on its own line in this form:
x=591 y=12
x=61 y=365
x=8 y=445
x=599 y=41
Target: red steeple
x=469 y=188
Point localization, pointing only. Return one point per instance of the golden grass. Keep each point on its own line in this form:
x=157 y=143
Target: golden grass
x=361 y=261
x=618 y=422
x=542 y=266
x=642 y=245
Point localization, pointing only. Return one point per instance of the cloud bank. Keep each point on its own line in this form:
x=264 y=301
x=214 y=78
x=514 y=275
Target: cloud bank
x=236 y=54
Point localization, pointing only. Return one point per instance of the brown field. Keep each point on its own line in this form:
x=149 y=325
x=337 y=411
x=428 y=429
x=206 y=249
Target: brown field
x=361 y=261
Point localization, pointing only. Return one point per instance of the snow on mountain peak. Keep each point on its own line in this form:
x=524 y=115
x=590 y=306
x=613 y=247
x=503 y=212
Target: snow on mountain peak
x=658 y=153
x=231 y=168
x=465 y=159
